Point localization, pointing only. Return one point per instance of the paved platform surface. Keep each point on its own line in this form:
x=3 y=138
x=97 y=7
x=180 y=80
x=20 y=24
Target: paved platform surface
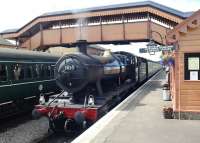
x=140 y=120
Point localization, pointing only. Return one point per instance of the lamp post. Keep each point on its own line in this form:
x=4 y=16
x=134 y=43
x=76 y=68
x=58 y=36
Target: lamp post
x=162 y=42
x=152 y=47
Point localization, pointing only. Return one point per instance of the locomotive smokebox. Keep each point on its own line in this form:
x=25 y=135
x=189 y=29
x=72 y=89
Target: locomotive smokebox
x=82 y=46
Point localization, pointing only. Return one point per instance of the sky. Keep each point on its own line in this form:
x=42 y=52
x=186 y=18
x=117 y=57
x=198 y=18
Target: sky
x=17 y=13
x=134 y=49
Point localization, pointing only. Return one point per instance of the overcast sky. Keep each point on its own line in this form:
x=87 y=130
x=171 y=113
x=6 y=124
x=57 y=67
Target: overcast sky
x=16 y=13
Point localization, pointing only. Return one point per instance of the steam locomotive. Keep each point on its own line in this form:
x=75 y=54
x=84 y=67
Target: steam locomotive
x=92 y=84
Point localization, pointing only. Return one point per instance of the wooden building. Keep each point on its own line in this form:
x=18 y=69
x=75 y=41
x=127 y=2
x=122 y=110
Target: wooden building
x=185 y=73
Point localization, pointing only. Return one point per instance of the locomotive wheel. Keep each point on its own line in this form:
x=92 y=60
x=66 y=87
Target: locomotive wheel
x=85 y=125
x=35 y=114
x=56 y=124
x=68 y=125
x=52 y=126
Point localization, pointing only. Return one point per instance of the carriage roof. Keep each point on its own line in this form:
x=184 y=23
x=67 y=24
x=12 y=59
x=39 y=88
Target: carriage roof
x=18 y=54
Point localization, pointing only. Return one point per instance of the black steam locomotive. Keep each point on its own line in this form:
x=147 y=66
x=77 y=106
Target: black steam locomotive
x=92 y=84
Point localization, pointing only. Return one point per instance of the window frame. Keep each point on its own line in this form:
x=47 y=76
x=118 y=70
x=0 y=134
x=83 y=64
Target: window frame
x=186 y=70
x=6 y=72
x=12 y=72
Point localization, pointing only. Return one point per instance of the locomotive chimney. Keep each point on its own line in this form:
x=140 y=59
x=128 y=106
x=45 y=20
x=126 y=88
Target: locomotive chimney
x=82 y=46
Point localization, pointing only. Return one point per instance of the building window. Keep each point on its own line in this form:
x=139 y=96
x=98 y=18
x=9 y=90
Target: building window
x=3 y=74
x=192 y=66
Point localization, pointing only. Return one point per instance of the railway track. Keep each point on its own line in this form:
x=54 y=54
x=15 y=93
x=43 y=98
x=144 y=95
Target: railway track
x=14 y=121
x=23 y=129
x=57 y=138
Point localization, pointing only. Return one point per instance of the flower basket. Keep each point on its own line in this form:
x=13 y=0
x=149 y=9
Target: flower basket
x=167 y=59
x=168 y=113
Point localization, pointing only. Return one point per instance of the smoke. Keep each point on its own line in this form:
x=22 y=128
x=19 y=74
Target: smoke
x=81 y=32
x=80 y=26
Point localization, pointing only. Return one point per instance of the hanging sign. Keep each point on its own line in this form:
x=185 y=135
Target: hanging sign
x=155 y=48
x=167 y=48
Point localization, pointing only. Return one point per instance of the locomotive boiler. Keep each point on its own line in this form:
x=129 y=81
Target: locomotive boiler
x=76 y=73
x=92 y=84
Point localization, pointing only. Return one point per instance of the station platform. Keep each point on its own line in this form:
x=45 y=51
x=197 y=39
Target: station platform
x=139 y=119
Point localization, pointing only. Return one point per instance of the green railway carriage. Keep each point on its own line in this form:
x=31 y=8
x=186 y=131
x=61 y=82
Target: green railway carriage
x=153 y=67
x=147 y=68
x=24 y=76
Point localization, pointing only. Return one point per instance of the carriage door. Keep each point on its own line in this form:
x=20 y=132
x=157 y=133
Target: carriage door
x=18 y=82
x=5 y=97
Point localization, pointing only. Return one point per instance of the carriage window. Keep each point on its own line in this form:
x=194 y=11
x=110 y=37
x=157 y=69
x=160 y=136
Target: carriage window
x=52 y=71
x=42 y=72
x=18 y=72
x=28 y=72
x=48 y=71
x=3 y=75
x=192 y=66
x=36 y=71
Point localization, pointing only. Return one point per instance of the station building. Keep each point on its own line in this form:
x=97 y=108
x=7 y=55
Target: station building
x=185 y=72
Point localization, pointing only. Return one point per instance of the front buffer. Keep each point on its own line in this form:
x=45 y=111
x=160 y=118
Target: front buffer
x=67 y=117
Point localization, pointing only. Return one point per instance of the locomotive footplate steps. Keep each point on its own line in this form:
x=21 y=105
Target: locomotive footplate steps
x=138 y=119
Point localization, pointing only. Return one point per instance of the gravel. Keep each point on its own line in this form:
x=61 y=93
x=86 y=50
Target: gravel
x=26 y=132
